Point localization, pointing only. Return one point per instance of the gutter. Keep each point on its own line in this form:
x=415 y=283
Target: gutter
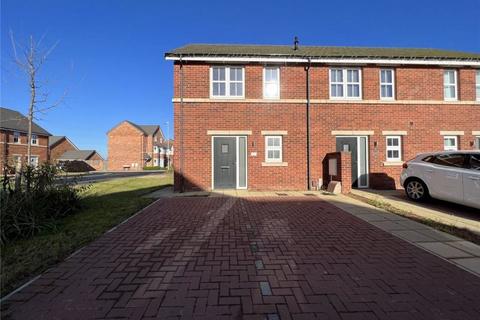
x=341 y=61
x=181 y=153
x=307 y=70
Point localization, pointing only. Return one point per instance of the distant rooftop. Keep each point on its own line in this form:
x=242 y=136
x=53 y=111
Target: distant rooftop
x=234 y=50
x=148 y=129
x=77 y=155
x=15 y=121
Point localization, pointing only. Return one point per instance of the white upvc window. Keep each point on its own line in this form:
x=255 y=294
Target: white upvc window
x=271 y=83
x=227 y=82
x=34 y=139
x=477 y=142
x=450 y=84
x=16 y=137
x=387 y=84
x=450 y=143
x=345 y=83
x=394 y=148
x=34 y=161
x=273 y=149
x=477 y=84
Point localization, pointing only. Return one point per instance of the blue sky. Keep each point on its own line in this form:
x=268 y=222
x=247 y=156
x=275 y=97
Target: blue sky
x=110 y=53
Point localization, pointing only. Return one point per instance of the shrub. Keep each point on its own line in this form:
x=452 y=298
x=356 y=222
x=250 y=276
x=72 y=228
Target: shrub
x=36 y=201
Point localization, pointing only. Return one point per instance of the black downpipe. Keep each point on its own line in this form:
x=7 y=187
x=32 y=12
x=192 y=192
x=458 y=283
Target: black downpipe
x=307 y=69
x=181 y=153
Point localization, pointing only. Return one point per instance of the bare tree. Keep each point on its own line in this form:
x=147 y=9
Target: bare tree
x=30 y=58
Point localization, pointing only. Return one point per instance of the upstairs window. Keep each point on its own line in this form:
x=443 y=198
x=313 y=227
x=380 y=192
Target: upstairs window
x=16 y=137
x=450 y=84
x=450 y=143
x=477 y=84
x=271 y=83
x=394 y=148
x=387 y=87
x=273 y=148
x=345 y=83
x=227 y=82
x=34 y=139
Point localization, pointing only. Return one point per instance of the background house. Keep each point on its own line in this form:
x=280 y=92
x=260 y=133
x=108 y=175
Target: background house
x=62 y=150
x=14 y=136
x=133 y=147
x=81 y=160
x=58 y=146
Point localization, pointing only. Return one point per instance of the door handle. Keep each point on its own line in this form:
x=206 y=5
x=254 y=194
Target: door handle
x=225 y=167
x=429 y=170
x=473 y=178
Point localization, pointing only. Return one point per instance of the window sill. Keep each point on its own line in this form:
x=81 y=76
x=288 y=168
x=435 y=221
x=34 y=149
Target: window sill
x=392 y=163
x=227 y=97
x=274 y=164
x=346 y=98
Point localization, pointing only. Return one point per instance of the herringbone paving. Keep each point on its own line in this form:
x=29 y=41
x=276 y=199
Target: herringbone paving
x=249 y=258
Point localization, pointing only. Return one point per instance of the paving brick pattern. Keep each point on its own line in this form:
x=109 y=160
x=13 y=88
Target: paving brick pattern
x=249 y=258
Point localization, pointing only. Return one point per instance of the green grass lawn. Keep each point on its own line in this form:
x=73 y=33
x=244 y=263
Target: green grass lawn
x=105 y=205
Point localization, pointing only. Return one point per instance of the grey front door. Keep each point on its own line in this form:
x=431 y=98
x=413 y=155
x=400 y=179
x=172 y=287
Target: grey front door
x=224 y=163
x=350 y=144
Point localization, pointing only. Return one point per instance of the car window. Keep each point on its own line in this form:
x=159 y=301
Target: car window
x=450 y=160
x=475 y=161
x=429 y=159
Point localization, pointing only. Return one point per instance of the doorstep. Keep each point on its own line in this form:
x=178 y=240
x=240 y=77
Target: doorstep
x=463 y=254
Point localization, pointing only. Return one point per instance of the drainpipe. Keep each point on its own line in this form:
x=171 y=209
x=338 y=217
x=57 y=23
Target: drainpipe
x=181 y=153
x=307 y=70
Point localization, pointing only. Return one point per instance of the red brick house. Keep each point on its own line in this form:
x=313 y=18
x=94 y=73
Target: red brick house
x=265 y=117
x=133 y=147
x=58 y=145
x=62 y=149
x=14 y=136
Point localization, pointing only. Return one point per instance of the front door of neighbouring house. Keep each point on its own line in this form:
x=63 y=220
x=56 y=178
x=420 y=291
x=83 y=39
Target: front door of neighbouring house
x=224 y=162
x=358 y=148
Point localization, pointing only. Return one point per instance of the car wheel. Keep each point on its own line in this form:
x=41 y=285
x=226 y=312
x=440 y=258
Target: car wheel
x=416 y=190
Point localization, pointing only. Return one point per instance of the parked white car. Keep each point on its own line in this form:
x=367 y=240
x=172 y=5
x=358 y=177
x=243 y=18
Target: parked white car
x=449 y=175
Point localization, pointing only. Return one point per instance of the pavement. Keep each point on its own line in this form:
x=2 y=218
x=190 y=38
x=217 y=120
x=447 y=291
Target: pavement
x=269 y=256
x=441 y=211
x=93 y=177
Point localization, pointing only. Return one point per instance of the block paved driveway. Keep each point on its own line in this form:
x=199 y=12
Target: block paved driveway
x=249 y=258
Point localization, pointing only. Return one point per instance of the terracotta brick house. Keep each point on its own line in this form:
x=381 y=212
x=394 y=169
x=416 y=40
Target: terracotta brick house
x=132 y=147
x=63 y=149
x=92 y=158
x=58 y=145
x=265 y=117
x=14 y=136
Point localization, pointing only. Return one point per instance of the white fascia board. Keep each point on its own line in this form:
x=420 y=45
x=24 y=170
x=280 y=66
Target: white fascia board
x=348 y=61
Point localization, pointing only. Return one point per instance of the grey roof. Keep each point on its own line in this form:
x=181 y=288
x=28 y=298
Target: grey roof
x=148 y=129
x=15 y=121
x=235 y=50
x=54 y=139
x=77 y=155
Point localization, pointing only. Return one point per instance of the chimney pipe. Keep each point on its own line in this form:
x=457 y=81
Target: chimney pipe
x=295 y=43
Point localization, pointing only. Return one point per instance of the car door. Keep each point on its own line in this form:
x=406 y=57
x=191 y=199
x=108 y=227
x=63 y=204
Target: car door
x=471 y=182
x=448 y=172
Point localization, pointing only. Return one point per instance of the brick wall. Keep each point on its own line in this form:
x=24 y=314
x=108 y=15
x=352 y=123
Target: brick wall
x=60 y=148
x=126 y=146
x=96 y=162
x=10 y=149
x=422 y=122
